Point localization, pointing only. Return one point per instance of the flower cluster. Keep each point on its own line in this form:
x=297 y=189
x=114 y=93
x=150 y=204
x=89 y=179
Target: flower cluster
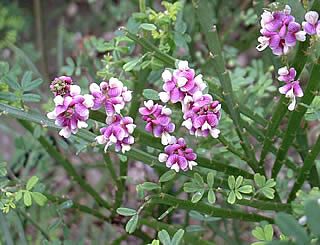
x=279 y=31
x=292 y=88
x=118 y=132
x=311 y=26
x=114 y=96
x=158 y=121
x=201 y=112
x=201 y=115
x=72 y=108
x=180 y=84
x=177 y=156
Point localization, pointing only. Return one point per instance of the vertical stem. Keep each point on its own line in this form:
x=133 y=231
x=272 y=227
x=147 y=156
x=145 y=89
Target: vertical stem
x=142 y=6
x=39 y=36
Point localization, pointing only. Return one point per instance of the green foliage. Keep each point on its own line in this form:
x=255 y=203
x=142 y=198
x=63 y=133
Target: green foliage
x=237 y=188
x=266 y=187
x=197 y=186
x=263 y=234
x=165 y=239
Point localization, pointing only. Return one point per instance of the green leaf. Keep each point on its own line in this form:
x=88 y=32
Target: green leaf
x=259 y=180
x=39 y=198
x=258 y=233
x=131 y=64
x=34 y=84
x=65 y=205
x=8 y=96
x=198 y=179
x=126 y=211
x=26 y=79
x=18 y=196
x=166 y=212
x=231 y=197
x=140 y=191
x=245 y=189
x=238 y=194
x=312 y=211
x=290 y=227
x=177 y=237
x=270 y=183
x=169 y=175
x=195 y=228
x=132 y=224
x=12 y=82
x=211 y=197
x=197 y=196
x=31 y=97
x=210 y=179
x=27 y=199
x=31 y=182
x=268 y=192
x=238 y=182
x=268 y=232
x=164 y=237
x=231 y=182
x=3 y=172
x=148 y=27
x=151 y=94
x=149 y=186
x=191 y=187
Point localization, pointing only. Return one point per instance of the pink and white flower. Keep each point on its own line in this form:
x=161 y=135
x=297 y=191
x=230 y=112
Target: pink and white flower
x=279 y=31
x=286 y=75
x=113 y=95
x=180 y=83
x=72 y=111
x=61 y=86
x=118 y=133
x=311 y=25
x=177 y=156
x=202 y=116
x=158 y=121
x=292 y=90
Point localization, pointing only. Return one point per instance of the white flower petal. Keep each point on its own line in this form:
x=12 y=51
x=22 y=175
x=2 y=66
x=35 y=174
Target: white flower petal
x=94 y=88
x=82 y=124
x=283 y=71
x=75 y=90
x=183 y=65
x=175 y=167
x=58 y=100
x=65 y=132
x=301 y=36
x=88 y=100
x=166 y=76
x=52 y=115
x=101 y=139
x=163 y=157
x=164 y=97
x=312 y=17
x=148 y=104
x=115 y=83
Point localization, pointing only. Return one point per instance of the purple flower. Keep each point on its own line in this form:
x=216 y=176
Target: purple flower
x=292 y=90
x=311 y=25
x=202 y=116
x=177 y=156
x=180 y=84
x=286 y=75
x=118 y=133
x=61 y=86
x=72 y=111
x=279 y=31
x=112 y=95
x=158 y=121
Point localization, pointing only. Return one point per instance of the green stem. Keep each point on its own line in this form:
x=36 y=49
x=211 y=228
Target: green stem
x=305 y=170
x=121 y=186
x=34 y=223
x=142 y=6
x=66 y=165
x=212 y=37
x=296 y=117
x=78 y=206
x=166 y=199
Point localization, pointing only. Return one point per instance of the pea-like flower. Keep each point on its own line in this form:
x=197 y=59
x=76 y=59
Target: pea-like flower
x=180 y=83
x=203 y=115
x=112 y=95
x=292 y=90
x=311 y=25
x=177 y=156
x=158 y=121
x=279 y=31
x=72 y=111
x=118 y=133
x=61 y=86
x=286 y=75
